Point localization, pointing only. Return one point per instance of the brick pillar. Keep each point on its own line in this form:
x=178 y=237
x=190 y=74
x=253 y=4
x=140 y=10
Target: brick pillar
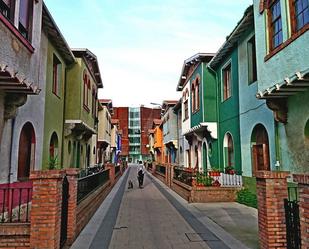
x=271 y=192
x=111 y=168
x=303 y=185
x=72 y=176
x=46 y=209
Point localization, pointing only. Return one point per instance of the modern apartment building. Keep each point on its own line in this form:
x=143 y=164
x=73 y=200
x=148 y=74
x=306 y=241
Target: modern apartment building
x=135 y=123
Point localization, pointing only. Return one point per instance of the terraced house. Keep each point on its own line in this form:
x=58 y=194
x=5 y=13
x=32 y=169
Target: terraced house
x=199 y=113
x=81 y=104
x=21 y=131
x=282 y=40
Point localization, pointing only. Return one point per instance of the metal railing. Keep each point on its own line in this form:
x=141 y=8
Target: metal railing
x=161 y=169
x=208 y=178
x=91 y=170
x=88 y=184
x=117 y=170
x=183 y=175
x=15 y=204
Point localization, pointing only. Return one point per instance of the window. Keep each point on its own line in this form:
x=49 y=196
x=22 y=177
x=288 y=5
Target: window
x=193 y=97
x=299 y=14
x=57 y=75
x=86 y=80
x=228 y=150
x=197 y=94
x=186 y=110
x=25 y=18
x=7 y=9
x=275 y=25
x=252 y=75
x=94 y=102
x=227 y=89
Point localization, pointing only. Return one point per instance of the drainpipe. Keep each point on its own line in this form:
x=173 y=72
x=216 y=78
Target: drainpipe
x=277 y=146
x=63 y=118
x=217 y=111
x=10 y=160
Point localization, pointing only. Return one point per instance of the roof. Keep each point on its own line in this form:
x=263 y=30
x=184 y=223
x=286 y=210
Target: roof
x=91 y=62
x=157 y=121
x=299 y=82
x=178 y=105
x=108 y=103
x=167 y=104
x=193 y=60
x=231 y=41
x=115 y=121
x=12 y=82
x=54 y=35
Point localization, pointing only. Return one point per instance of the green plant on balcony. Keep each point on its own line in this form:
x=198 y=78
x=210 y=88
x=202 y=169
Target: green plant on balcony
x=204 y=179
x=229 y=170
x=53 y=162
x=214 y=172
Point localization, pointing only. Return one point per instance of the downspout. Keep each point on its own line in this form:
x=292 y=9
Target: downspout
x=277 y=147
x=63 y=116
x=10 y=162
x=217 y=111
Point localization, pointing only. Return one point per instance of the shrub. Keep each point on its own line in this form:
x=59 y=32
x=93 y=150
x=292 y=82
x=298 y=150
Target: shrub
x=247 y=198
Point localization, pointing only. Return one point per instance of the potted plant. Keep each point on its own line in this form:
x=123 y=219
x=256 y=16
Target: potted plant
x=53 y=162
x=229 y=170
x=214 y=172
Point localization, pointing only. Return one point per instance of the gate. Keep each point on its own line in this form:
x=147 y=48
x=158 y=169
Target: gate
x=64 y=211
x=292 y=224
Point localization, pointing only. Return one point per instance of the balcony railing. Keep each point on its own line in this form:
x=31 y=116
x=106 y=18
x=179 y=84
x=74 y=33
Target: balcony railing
x=15 y=203
x=183 y=175
x=88 y=184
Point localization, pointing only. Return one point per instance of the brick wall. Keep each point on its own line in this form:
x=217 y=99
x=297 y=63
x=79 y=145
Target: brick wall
x=271 y=192
x=46 y=209
x=15 y=236
x=303 y=185
x=87 y=207
x=182 y=189
x=213 y=194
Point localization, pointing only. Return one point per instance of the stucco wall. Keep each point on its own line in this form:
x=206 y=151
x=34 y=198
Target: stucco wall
x=291 y=59
x=33 y=111
x=54 y=108
x=252 y=111
x=170 y=127
x=229 y=112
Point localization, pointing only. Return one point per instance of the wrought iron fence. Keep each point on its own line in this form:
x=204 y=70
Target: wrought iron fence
x=161 y=169
x=91 y=170
x=183 y=175
x=117 y=170
x=292 y=221
x=90 y=183
x=15 y=204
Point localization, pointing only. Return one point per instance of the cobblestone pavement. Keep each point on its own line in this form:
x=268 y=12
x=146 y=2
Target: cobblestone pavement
x=153 y=217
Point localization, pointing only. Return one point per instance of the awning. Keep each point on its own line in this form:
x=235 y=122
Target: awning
x=299 y=82
x=210 y=127
x=11 y=82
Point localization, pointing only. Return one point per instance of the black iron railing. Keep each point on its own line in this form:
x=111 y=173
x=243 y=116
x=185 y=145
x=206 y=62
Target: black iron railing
x=91 y=170
x=183 y=175
x=88 y=184
x=15 y=204
x=161 y=169
x=117 y=170
x=293 y=233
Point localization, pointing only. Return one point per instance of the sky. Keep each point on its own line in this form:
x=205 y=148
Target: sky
x=141 y=44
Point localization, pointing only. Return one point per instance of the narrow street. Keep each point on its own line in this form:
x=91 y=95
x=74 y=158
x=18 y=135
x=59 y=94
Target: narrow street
x=152 y=217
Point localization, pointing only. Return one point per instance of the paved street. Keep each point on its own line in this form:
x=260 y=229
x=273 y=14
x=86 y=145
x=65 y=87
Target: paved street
x=156 y=218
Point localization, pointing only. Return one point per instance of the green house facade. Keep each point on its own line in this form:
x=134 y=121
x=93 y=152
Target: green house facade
x=81 y=105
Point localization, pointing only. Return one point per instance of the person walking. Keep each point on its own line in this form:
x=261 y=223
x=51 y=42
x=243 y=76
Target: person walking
x=140 y=175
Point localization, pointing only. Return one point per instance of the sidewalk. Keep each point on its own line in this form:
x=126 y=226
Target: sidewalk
x=156 y=217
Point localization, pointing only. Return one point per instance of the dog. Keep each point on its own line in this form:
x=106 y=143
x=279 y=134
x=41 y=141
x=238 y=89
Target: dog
x=130 y=184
